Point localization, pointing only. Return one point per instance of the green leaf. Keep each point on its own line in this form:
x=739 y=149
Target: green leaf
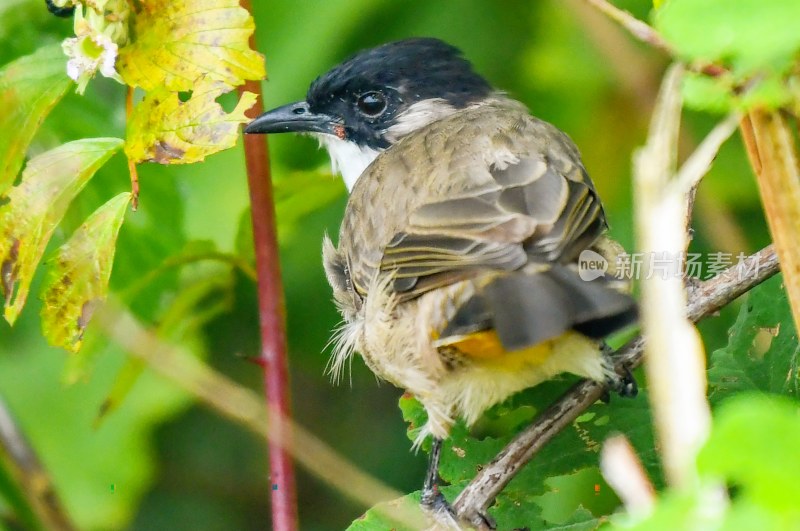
x=749 y=35
x=754 y=446
x=77 y=281
x=375 y=519
x=49 y=184
x=521 y=503
x=166 y=130
x=762 y=351
x=179 y=41
x=580 y=520
x=29 y=88
x=704 y=93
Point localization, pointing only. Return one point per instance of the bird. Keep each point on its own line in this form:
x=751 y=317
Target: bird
x=457 y=265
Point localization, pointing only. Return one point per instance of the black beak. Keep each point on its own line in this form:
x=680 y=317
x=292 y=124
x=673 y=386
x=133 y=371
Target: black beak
x=292 y=118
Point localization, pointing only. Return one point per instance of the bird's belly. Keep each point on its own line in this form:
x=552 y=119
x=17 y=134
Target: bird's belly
x=399 y=344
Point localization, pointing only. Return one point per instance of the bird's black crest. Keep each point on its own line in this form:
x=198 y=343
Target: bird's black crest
x=403 y=73
x=419 y=69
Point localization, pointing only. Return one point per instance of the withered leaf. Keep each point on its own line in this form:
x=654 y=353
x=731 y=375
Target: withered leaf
x=166 y=130
x=35 y=207
x=77 y=279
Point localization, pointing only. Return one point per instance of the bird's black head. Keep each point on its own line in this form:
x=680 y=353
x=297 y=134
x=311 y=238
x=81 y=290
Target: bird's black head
x=379 y=95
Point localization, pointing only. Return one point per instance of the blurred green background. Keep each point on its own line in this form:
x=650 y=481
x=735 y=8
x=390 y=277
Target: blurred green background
x=161 y=461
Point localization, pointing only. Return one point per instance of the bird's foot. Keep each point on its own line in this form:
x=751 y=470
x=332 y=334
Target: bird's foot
x=432 y=500
x=622 y=384
x=434 y=503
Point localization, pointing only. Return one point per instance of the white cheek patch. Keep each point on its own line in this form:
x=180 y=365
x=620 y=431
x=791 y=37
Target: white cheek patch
x=347 y=158
x=418 y=116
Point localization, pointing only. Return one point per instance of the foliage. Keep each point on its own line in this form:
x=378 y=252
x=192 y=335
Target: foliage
x=166 y=130
x=750 y=447
x=29 y=87
x=751 y=450
x=34 y=208
x=126 y=449
x=156 y=56
x=78 y=281
x=749 y=38
x=762 y=350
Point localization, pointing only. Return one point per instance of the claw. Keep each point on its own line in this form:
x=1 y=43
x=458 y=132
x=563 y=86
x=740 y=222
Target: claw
x=623 y=384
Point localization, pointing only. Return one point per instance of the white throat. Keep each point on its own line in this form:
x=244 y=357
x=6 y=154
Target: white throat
x=350 y=160
x=347 y=158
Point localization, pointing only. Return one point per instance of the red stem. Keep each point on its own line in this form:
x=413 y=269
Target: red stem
x=272 y=320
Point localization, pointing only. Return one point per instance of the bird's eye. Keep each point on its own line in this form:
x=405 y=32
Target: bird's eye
x=371 y=103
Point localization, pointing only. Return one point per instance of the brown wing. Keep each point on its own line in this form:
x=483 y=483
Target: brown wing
x=533 y=213
x=489 y=187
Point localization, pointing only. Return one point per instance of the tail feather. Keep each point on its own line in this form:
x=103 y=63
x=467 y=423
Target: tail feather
x=528 y=308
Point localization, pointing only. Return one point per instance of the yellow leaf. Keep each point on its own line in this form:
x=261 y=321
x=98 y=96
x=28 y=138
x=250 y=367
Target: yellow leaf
x=166 y=130
x=77 y=280
x=178 y=41
x=35 y=207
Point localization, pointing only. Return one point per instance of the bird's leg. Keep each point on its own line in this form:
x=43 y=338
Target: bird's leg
x=431 y=497
x=624 y=385
x=434 y=501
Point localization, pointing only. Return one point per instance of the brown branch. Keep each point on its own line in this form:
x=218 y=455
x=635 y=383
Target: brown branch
x=272 y=318
x=704 y=299
x=30 y=475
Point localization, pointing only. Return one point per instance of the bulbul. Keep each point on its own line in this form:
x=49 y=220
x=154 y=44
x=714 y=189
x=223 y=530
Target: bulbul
x=456 y=269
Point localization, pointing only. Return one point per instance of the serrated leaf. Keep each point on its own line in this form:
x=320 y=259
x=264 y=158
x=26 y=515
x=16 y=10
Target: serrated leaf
x=35 y=207
x=762 y=352
x=166 y=130
x=179 y=41
x=77 y=280
x=575 y=448
x=29 y=88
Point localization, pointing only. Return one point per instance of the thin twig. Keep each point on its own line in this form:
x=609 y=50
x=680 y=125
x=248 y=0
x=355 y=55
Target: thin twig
x=704 y=299
x=699 y=162
x=636 y=27
x=244 y=407
x=30 y=475
x=647 y=34
x=272 y=317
